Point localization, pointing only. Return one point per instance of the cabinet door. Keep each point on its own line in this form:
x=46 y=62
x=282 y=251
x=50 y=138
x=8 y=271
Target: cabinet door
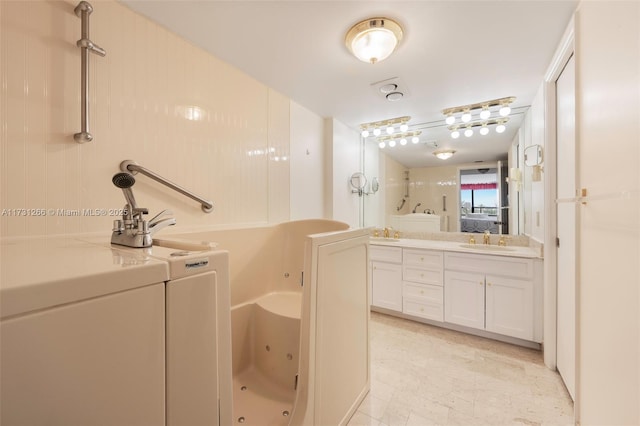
x=509 y=304
x=464 y=299
x=386 y=281
x=98 y=362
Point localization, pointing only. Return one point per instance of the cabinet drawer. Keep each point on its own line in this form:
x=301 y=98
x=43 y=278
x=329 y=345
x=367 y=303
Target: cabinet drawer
x=423 y=292
x=423 y=258
x=419 y=275
x=487 y=264
x=419 y=308
x=385 y=254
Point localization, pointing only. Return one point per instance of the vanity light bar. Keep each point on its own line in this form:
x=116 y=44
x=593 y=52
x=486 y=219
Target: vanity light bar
x=399 y=136
x=478 y=123
x=480 y=105
x=389 y=123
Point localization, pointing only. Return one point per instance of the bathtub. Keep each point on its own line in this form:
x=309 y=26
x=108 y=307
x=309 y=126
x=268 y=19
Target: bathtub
x=299 y=319
x=266 y=346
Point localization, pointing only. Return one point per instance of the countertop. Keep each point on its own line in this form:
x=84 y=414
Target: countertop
x=45 y=272
x=457 y=246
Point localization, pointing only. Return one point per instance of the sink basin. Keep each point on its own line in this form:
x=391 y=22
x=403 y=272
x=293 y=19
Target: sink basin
x=483 y=247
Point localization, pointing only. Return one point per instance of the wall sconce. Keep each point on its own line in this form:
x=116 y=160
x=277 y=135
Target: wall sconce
x=444 y=154
x=498 y=108
x=373 y=39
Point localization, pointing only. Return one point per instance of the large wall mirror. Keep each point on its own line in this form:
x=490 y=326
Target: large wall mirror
x=467 y=194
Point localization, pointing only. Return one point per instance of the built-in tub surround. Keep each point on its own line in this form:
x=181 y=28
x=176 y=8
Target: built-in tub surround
x=277 y=323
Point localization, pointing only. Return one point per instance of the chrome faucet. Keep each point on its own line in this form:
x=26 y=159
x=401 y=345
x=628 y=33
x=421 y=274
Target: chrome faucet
x=132 y=230
x=417 y=205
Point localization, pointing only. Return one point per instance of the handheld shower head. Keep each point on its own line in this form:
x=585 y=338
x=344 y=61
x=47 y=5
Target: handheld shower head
x=125 y=181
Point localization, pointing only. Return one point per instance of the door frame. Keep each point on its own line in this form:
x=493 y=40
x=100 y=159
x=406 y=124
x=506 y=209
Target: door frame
x=565 y=50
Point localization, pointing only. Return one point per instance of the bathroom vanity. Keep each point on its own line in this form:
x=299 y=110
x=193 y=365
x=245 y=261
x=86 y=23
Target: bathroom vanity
x=491 y=291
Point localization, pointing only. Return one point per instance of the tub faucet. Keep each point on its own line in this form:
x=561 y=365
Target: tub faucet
x=417 y=205
x=132 y=230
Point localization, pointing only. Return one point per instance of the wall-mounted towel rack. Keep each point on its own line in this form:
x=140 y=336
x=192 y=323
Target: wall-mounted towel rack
x=132 y=167
x=83 y=10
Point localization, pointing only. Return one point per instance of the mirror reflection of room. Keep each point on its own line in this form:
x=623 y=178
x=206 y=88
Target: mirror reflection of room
x=479 y=200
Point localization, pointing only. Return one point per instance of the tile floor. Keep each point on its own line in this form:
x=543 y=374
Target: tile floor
x=424 y=375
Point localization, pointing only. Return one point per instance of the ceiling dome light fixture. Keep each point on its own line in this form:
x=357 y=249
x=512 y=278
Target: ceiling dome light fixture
x=505 y=110
x=484 y=130
x=392 y=143
x=466 y=116
x=404 y=127
x=455 y=134
x=382 y=145
x=444 y=154
x=415 y=139
x=500 y=128
x=403 y=141
x=373 y=39
x=376 y=132
x=390 y=130
x=365 y=133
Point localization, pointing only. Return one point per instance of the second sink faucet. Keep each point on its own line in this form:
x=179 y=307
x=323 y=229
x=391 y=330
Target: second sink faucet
x=417 y=205
x=486 y=238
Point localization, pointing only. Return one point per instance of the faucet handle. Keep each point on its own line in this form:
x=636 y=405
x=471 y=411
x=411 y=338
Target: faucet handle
x=159 y=215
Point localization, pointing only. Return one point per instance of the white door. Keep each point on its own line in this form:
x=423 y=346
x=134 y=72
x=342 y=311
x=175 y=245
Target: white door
x=566 y=220
x=386 y=279
x=464 y=299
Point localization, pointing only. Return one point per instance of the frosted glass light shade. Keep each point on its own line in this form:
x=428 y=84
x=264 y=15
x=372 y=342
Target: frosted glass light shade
x=504 y=111
x=444 y=155
x=373 y=40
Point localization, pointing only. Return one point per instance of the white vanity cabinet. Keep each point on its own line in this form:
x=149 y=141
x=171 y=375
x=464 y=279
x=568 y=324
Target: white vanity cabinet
x=386 y=277
x=422 y=280
x=492 y=293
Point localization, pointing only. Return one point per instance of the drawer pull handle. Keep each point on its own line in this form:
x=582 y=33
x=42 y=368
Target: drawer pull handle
x=421 y=291
x=422 y=259
x=489 y=284
x=421 y=275
x=481 y=283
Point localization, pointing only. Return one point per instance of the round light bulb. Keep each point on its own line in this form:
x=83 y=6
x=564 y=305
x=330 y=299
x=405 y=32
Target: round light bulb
x=404 y=127
x=466 y=117
x=500 y=128
x=365 y=133
x=484 y=130
x=392 y=143
x=382 y=145
x=468 y=133
x=376 y=132
x=450 y=120
x=403 y=141
x=415 y=139
x=455 y=134
x=485 y=114
x=504 y=111
x=390 y=131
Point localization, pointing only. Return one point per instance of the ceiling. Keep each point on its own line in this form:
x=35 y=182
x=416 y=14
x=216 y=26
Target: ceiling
x=453 y=53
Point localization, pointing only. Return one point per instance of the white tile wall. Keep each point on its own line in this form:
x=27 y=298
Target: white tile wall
x=142 y=96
